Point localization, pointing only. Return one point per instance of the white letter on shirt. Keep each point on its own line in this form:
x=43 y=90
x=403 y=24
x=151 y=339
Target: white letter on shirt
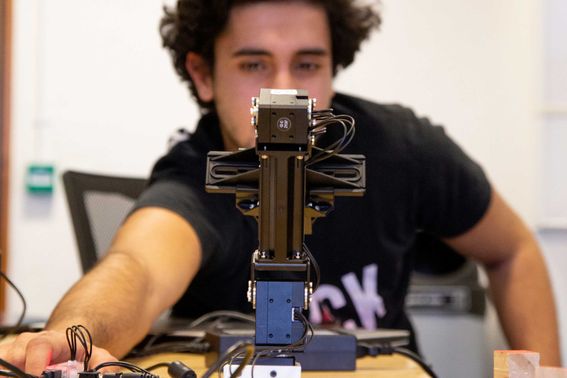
x=323 y=292
x=366 y=300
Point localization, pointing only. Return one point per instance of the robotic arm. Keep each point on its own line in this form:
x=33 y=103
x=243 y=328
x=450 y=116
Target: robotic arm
x=286 y=182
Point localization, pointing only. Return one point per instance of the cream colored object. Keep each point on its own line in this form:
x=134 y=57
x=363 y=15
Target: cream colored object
x=515 y=364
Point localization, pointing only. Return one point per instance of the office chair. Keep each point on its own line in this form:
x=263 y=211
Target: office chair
x=443 y=281
x=98 y=205
x=448 y=308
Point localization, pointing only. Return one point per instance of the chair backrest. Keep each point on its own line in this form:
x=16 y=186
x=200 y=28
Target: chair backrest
x=448 y=309
x=98 y=205
x=444 y=281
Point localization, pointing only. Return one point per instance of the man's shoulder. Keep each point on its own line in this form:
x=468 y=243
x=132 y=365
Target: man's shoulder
x=393 y=125
x=187 y=152
x=181 y=161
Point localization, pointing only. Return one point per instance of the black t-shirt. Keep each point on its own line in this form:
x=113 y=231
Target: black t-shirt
x=417 y=179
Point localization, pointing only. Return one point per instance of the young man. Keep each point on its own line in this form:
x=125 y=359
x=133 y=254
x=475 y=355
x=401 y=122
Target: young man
x=184 y=248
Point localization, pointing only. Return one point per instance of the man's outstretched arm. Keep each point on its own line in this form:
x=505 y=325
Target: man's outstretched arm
x=152 y=260
x=519 y=281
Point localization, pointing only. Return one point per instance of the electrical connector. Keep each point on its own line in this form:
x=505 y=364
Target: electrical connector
x=370 y=349
x=111 y=375
x=178 y=369
x=69 y=369
x=89 y=374
x=51 y=374
x=138 y=375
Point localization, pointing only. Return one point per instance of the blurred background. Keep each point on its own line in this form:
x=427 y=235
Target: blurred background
x=92 y=89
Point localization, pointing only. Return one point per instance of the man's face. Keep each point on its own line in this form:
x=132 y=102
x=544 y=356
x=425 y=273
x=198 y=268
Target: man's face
x=268 y=45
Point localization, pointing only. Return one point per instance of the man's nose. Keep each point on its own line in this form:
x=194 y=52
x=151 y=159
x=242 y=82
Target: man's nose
x=284 y=80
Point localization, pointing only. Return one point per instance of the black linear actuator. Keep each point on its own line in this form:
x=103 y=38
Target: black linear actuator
x=286 y=181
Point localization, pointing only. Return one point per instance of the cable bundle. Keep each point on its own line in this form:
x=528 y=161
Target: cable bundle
x=138 y=371
x=321 y=120
x=80 y=334
x=246 y=351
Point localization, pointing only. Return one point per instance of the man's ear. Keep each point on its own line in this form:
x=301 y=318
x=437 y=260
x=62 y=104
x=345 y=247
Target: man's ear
x=201 y=74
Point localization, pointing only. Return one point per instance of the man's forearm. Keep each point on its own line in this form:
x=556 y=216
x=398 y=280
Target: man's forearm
x=112 y=302
x=523 y=297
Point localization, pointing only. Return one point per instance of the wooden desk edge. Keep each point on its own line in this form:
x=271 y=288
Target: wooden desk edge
x=384 y=366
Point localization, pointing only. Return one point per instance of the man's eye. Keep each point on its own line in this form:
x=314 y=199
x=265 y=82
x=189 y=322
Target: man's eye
x=252 y=66
x=308 y=66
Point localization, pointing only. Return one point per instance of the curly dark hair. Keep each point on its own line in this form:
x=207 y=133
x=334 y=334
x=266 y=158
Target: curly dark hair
x=195 y=24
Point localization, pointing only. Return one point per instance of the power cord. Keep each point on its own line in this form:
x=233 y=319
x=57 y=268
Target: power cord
x=232 y=352
x=18 y=324
x=163 y=343
x=306 y=337
x=13 y=371
x=138 y=371
x=175 y=369
x=222 y=315
x=369 y=349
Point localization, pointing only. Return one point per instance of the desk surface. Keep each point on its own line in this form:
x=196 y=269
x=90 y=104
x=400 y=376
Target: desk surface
x=395 y=366
x=384 y=366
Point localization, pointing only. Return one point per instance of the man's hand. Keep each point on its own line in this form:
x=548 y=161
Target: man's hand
x=33 y=352
x=153 y=258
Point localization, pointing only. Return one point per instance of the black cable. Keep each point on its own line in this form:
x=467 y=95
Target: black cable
x=232 y=351
x=147 y=345
x=323 y=111
x=248 y=355
x=72 y=342
x=222 y=314
x=315 y=266
x=80 y=334
x=197 y=346
x=86 y=341
x=15 y=370
x=308 y=334
x=6 y=373
x=416 y=358
x=122 y=364
x=321 y=121
x=175 y=369
x=152 y=339
x=270 y=352
x=364 y=349
x=333 y=148
x=24 y=306
x=126 y=365
x=228 y=358
x=157 y=366
x=257 y=356
x=305 y=338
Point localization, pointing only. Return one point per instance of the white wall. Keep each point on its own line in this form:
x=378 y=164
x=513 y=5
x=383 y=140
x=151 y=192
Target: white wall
x=473 y=66
x=91 y=80
x=93 y=90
